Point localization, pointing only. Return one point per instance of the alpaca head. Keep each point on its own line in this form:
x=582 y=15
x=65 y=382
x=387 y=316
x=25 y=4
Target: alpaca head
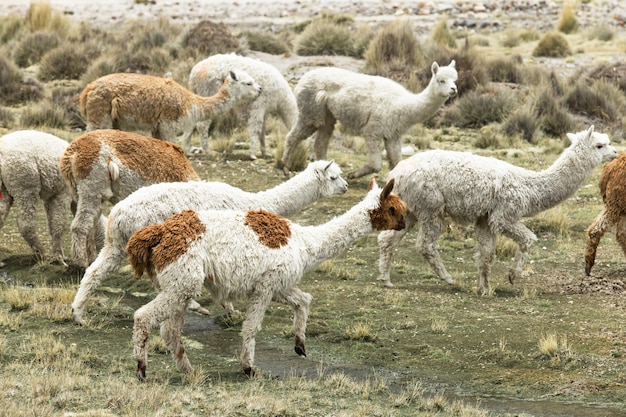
x=391 y=211
x=444 y=79
x=328 y=173
x=594 y=144
x=241 y=86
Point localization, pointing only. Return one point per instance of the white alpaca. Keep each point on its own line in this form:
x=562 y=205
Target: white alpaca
x=257 y=256
x=155 y=203
x=29 y=172
x=276 y=96
x=491 y=194
x=376 y=108
x=108 y=165
x=160 y=105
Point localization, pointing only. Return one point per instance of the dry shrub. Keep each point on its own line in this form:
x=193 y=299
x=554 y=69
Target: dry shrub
x=593 y=100
x=505 y=69
x=395 y=53
x=553 y=119
x=480 y=107
x=7 y=119
x=30 y=50
x=567 y=21
x=156 y=61
x=67 y=62
x=328 y=17
x=208 y=38
x=603 y=33
x=266 y=42
x=13 y=88
x=613 y=72
x=522 y=121
x=10 y=26
x=553 y=45
x=326 y=38
x=441 y=34
x=44 y=114
x=38 y=16
x=67 y=99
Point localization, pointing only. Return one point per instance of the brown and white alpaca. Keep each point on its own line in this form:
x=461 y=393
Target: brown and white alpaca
x=29 y=173
x=320 y=179
x=108 y=165
x=160 y=105
x=377 y=108
x=256 y=256
x=613 y=192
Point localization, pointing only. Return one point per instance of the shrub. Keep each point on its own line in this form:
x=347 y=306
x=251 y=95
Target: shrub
x=441 y=34
x=324 y=38
x=13 y=89
x=554 y=120
x=480 y=107
x=156 y=61
x=208 y=38
x=7 y=119
x=38 y=16
x=505 y=69
x=394 y=52
x=553 y=45
x=567 y=21
x=614 y=72
x=45 y=114
x=522 y=121
x=30 y=50
x=10 y=26
x=583 y=99
x=67 y=99
x=67 y=62
x=334 y=18
x=266 y=42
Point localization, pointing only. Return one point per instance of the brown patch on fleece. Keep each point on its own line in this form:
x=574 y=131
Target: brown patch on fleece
x=79 y=157
x=613 y=188
x=153 y=247
x=391 y=214
x=273 y=230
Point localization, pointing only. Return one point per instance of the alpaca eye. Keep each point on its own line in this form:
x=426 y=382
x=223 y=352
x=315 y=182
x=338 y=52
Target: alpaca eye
x=333 y=178
x=599 y=146
x=392 y=211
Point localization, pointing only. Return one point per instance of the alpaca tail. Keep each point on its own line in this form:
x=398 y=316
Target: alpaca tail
x=139 y=248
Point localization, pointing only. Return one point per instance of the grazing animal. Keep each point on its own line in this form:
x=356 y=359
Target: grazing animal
x=253 y=255
x=276 y=96
x=137 y=101
x=320 y=179
x=491 y=194
x=376 y=108
x=29 y=172
x=108 y=165
x=613 y=192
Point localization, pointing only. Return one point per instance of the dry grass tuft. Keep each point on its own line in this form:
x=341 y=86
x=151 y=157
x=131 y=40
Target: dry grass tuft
x=553 y=45
x=568 y=23
x=360 y=332
x=322 y=37
x=441 y=34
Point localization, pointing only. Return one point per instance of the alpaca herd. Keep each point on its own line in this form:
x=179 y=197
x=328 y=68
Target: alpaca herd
x=187 y=234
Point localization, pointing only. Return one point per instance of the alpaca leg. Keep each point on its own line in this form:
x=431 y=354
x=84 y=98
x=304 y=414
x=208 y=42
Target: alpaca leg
x=297 y=134
x=323 y=135
x=429 y=231
x=171 y=333
x=486 y=240
x=255 y=132
x=393 y=146
x=88 y=211
x=620 y=233
x=57 y=209
x=388 y=240
x=374 y=161
x=160 y=309
x=6 y=201
x=524 y=238
x=596 y=230
x=250 y=327
x=26 y=222
x=300 y=302
x=109 y=259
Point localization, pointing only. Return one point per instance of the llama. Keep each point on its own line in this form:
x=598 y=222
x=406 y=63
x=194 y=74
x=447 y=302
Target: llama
x=492 y=194
x=29 y=172
x=376 y=108
x=276 y=95
x=613 y=214
x=255 y=255
x=136 y=101
x=320 y=179
x=108 y=165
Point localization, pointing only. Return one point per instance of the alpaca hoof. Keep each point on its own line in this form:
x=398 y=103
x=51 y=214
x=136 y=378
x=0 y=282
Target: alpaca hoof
x=299 y=348
x=588 y=270
x=388 y=284
x=249 y=372
x=512 y=278
x=141 y=372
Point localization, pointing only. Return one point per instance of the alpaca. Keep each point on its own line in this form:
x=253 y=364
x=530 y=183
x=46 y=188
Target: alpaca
x=255 y=255
x=276 y=96
x=136 y=101
x=492 y=194
x=320 y=179
x=377 y=108
x=612 y=183
x=29 y=172
x=108 y=165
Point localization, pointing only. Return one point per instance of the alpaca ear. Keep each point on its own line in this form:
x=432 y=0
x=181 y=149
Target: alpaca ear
x=590 y=131
x=372 y=184
x=233 y=75
x=387 y=190
x=571 y=137
x=452 y=64
x=434 y=68
x=332 y=161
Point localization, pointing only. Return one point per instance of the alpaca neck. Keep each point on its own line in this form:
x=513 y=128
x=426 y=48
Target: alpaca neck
x=291 y=196
x=335 y=237
x=558 y=182
x=219 y=103
x=420 y=107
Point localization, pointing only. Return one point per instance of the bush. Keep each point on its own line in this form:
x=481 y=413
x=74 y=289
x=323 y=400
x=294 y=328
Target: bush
x=266 y=42
x=30 y=50
x=613 y=72
x=7 y=119
x=208 y=38
x=441 y=34
x=40 y=17
x=333 y=18
x=324 y=38
x=553 y=119
x=505 y=69
x=552 y=45
x=156 y=61
x=67 y=99
x=395 y=52
x=603 y=33
x=13 y=89
x=522 y=121
x=583 y=99
x=567 y=21
x=45 y=114
x=480 y=107
x=67 y=62
x=10 y=26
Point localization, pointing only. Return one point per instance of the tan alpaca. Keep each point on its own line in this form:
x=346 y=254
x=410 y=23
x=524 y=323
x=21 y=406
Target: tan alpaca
x=159 y=105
